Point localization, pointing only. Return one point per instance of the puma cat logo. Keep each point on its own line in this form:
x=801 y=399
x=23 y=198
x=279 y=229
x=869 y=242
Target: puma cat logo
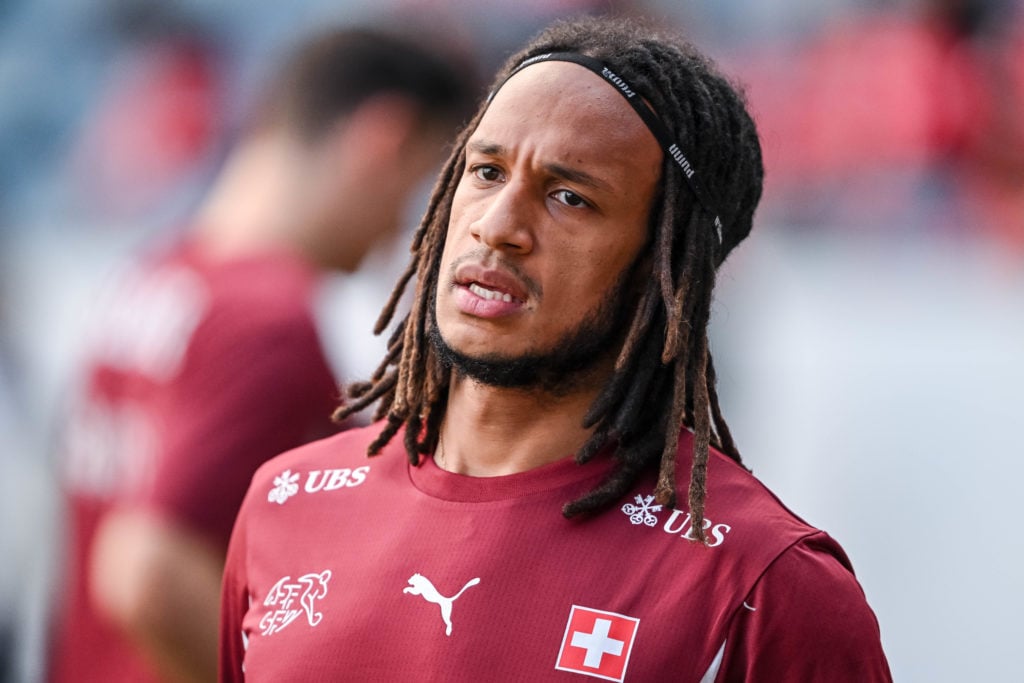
x=420 y=585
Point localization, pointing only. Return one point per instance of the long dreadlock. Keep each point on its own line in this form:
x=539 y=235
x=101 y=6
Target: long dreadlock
x=663 y=379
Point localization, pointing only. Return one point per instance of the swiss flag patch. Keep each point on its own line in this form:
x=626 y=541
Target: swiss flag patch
x=597 y=643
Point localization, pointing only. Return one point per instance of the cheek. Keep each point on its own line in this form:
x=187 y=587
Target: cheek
x=459 y=205
x=444 y=268
x=576 y=282
x=603 y=264
x=585 y=279
x=449 y=254
x=458 y=239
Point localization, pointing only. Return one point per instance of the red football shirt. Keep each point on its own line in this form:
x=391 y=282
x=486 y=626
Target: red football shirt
x=347 y=568
x=198 y=373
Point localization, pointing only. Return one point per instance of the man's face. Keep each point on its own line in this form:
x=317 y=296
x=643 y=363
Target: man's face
x=549 y=215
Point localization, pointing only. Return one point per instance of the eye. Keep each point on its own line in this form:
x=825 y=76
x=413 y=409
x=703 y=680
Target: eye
x=486 y=172
x=570 y=198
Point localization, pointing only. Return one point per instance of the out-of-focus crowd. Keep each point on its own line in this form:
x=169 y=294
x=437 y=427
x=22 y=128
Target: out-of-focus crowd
x=868 y=337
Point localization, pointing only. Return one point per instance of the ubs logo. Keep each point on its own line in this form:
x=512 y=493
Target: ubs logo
x=286 y=484
x=644 y=512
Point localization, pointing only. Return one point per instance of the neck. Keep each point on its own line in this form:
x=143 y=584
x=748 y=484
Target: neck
x=253 y=204
x=492 y=431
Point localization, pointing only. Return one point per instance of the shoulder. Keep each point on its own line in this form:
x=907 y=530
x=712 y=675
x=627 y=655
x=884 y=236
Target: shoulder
x=821 y=570
x=806 y=619
x=756 y=521
x=796 y=610
x=347 y=448
x=342 y=456
x=256 y=303
x=267 y=287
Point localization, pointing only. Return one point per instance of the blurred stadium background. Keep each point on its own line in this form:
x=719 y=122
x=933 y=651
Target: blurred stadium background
x=869 y=336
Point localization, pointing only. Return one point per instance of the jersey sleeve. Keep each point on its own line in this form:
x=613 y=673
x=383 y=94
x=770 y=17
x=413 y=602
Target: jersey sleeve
x=805 y=620
x=253 y=385
x=234 y=604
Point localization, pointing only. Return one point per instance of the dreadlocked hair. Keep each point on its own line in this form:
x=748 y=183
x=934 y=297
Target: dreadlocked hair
x=663 y=379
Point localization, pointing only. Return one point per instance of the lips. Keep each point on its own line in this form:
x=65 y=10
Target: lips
x=491 y=284
x=489 y=292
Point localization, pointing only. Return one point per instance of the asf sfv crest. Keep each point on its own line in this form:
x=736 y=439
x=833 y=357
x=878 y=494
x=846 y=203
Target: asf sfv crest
x=292 y=599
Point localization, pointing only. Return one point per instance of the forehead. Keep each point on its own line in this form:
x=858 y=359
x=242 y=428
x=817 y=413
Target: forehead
x=563 y=111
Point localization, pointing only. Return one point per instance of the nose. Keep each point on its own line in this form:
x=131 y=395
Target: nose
x=506 y=223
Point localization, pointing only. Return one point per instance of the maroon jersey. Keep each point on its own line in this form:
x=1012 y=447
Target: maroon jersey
x=346 y=568
x=198 y=373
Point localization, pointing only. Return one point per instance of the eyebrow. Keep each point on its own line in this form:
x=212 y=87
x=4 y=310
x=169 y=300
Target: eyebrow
x=573 y=175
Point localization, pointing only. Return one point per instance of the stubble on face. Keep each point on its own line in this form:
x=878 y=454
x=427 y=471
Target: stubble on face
x=565 y=366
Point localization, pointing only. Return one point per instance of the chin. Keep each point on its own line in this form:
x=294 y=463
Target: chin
x=481 y=346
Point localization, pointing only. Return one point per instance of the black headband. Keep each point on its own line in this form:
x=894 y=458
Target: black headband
x=657 y=128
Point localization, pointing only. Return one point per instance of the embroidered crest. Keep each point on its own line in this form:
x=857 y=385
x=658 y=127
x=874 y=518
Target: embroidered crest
x=597 y=643
x=293 y=598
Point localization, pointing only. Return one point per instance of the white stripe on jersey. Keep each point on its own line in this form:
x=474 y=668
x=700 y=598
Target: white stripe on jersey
x=716 y=664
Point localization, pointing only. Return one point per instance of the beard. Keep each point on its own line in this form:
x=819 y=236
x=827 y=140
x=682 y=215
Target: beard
x=558 y=370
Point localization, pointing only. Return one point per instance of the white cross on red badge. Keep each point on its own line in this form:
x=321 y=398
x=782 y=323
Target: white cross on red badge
x=597 y=643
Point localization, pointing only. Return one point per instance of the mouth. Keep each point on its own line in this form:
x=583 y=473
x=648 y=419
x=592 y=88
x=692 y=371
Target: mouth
x=490 y=292
x=494 y=283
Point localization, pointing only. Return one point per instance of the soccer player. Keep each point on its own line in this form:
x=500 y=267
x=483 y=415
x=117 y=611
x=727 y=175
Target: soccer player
x=209 y=362
x=553 y=492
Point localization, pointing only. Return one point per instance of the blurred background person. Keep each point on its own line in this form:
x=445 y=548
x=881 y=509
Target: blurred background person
x=207 y=360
